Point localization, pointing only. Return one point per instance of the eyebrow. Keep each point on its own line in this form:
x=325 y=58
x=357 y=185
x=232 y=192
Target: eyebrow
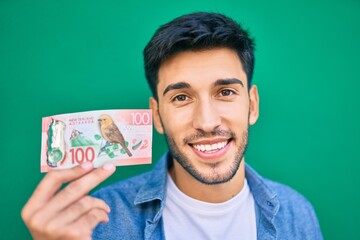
x=219 y=82
x=179 y=85
x=228 y=81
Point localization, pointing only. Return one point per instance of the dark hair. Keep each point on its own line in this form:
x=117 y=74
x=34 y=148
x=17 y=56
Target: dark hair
x=193 y=32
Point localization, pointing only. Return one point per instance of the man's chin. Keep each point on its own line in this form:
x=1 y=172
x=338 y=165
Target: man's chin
x=214 y=179
x=211 y=173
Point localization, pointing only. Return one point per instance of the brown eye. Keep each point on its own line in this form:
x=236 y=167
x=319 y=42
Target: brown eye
x=180 y=98
x=226 y=92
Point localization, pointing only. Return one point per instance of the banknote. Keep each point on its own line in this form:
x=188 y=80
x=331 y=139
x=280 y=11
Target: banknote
x=123 y=137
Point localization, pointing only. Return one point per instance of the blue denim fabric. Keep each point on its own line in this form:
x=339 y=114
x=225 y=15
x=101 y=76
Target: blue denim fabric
x=137 y=203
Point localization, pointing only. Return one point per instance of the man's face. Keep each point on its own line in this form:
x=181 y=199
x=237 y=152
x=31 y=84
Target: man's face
x=204 y=108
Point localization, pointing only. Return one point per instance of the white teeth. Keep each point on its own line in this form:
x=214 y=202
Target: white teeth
x=210 y=147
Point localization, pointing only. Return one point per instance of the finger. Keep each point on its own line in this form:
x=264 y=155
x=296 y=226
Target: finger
x=50 y=184
x=88 y=207
x=83 y=227
x=92 y=218
x=76 y=210
x=76 y=190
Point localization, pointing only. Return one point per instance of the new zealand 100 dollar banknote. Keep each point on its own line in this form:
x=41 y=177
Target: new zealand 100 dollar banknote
x=123 y=137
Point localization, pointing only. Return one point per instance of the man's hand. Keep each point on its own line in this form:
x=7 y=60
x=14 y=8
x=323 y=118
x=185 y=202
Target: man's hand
x=69 y=213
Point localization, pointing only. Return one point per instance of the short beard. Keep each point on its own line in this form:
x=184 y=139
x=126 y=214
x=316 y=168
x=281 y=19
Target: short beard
x=215 y=177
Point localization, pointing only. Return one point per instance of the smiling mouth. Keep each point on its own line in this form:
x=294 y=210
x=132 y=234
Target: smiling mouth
x=210 y=148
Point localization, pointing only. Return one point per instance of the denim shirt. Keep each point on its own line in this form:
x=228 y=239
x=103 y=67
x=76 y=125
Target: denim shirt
x=137 y=204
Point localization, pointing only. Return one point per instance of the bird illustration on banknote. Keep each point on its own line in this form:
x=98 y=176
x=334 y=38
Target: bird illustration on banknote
x=111 y=133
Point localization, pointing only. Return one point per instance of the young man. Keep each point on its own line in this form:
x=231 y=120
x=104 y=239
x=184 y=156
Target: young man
x=199 y=68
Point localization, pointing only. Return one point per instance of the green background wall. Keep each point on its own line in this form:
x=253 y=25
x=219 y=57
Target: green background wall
x=69 y=56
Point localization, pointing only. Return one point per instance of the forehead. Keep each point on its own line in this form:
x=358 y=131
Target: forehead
x=201 y=67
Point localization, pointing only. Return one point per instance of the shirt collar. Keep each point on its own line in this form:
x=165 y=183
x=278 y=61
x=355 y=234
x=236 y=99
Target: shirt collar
x=267 y=204
x=264 y=196
x=155 y=188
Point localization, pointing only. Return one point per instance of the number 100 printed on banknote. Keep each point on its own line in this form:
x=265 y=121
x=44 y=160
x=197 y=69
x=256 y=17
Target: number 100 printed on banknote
x=123 y=137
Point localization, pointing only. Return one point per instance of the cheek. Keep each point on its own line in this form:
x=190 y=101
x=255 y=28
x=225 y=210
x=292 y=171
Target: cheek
x=234 y=113
x=176 y=121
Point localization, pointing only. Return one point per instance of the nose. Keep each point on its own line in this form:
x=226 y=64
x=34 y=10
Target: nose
x=206 y=117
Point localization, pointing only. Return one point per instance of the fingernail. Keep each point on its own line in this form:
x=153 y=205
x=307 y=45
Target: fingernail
x=109 y=167
x=86 y=165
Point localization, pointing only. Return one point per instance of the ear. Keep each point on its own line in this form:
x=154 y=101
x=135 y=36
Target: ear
x=155 y=110
x=253 y=105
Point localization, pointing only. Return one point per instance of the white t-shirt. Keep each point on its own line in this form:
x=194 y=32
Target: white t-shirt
x=188 y=218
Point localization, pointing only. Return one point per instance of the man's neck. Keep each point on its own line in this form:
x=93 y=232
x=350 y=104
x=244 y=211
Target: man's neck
x=216 y=193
